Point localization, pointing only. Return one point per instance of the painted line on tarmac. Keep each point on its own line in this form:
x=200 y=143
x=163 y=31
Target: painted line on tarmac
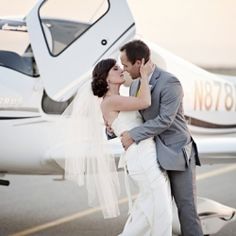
x=65 y=219
x=81 y=214
x=213 y=173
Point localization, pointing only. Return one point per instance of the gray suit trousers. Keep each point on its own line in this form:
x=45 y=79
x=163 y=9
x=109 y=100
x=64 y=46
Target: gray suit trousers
x=183 y=187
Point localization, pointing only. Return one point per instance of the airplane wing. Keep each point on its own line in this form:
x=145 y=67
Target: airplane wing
x=217 y=150
x=211 y=150
x=231 y=78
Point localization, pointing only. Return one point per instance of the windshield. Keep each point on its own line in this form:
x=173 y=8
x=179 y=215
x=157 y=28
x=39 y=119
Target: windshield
x=15 y=49
x=63 y=23
x=13 y=36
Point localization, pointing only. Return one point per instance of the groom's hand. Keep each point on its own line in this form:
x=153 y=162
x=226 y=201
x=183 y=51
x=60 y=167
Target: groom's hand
x=126 y=140
x=109 y=132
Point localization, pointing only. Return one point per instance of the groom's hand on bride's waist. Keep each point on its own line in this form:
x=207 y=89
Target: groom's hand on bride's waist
x=126 y=140
x=109 y=131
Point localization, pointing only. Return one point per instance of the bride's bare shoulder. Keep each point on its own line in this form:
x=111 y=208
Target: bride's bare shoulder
x=109 y=100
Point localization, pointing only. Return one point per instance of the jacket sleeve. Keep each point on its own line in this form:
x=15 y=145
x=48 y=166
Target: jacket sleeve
x=170 y=99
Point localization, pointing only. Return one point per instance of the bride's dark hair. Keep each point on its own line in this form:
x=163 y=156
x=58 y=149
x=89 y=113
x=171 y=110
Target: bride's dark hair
x=100 y=73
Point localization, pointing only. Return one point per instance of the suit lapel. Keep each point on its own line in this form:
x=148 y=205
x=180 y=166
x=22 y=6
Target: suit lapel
x=136 y=83
x=153 y=81
x=134 y=87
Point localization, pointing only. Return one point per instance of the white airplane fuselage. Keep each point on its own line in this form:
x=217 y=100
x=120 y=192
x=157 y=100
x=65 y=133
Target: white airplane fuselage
x=24 y=131
x=28 y=116
x=27 y=132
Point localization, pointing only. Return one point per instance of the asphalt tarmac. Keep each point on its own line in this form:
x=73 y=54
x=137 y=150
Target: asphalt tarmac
x=48 y=206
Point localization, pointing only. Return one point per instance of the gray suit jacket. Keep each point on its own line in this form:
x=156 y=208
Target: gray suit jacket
x=164 y=120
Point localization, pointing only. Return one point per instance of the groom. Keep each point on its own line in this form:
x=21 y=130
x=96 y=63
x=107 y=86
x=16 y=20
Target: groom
x=164 y=120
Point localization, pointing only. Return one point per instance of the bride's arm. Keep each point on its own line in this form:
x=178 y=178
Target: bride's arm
x=142 y=101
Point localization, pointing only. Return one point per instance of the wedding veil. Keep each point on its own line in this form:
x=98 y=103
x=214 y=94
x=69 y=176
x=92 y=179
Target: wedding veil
x=87 y=158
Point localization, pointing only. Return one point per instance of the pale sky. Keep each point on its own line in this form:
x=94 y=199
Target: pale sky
x=201 y=31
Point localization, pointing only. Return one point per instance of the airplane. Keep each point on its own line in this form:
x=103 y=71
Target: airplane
x=57 y=53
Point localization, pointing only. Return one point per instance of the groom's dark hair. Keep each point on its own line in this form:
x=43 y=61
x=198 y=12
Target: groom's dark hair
x=136 y=50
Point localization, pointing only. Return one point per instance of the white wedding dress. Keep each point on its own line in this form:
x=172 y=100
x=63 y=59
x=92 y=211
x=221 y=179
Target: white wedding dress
x=151 y=214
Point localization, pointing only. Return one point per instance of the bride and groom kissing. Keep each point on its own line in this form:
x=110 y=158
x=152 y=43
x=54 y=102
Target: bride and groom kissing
x=160 y=155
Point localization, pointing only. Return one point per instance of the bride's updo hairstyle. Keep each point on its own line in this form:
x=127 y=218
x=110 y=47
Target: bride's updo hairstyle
x=100 y=73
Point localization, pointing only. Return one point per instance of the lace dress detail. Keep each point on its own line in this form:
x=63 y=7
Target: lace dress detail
x=151 y=213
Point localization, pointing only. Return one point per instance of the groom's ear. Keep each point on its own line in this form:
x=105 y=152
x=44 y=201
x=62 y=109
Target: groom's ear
x=138 y=62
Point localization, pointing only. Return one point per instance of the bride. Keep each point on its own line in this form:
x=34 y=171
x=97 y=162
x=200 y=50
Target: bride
x=151 y=213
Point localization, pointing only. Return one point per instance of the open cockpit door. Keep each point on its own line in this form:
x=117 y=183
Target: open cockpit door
x=68 y=37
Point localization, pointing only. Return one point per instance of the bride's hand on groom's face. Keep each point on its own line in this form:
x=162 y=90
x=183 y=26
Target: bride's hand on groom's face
x=126 y=140
x=146 y=68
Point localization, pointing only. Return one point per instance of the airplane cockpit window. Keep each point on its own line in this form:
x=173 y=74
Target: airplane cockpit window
x=65 y=21
x=15 y=49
